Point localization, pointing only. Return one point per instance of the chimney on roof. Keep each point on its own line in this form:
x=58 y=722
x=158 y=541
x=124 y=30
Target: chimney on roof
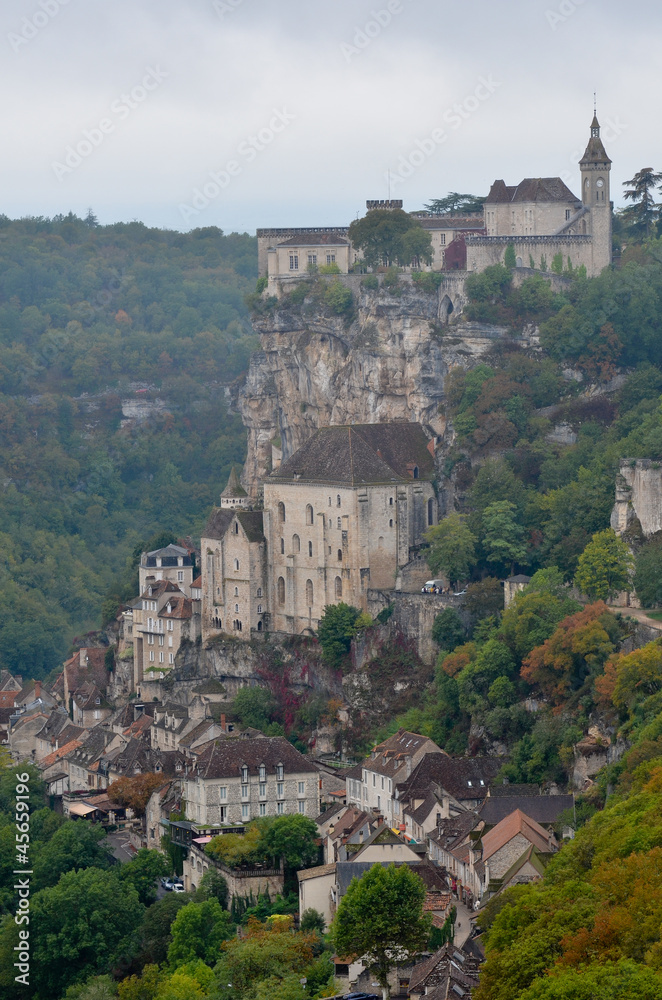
x=223 y=723
x=138 y=711
x=37 y=689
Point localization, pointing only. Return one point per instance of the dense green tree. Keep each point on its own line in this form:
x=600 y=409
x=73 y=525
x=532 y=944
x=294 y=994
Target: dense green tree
x=213 y=886
x=503 y=535
x=455 y=203
x=604 y=567
x=448 y=630
x=292 y=838
x=648 y=574
x=380 y=236
x=642 y=215
x=143 y=872
x=155 y=928
x=254 y=706
x=336 y=630
x=380 y=920
x=198 y=931
x=80 y=927
x=485 y=598
x=452 y=548
x=74 y=846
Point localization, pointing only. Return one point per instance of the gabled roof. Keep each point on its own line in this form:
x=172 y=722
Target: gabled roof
x=221 y=518
x=180 y=608
x=57 y=754
x=465 y=778
x=7 y=699
x=361 y=454
x=516 y=822
x=538 y=189
x=225 y=758
x=252 y=523
x=540 y=808
x=160 y=587
x=307 y=873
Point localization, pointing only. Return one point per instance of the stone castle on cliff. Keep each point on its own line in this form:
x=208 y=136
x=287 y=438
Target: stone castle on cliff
x=539 y=217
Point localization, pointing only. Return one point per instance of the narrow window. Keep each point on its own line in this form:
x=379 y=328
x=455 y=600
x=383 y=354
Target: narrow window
x=339 y=523
x=296 y=543
x=309 y=593
x=282 y=546
x=338 y=500
x=430 y=512
x=338 y=587
x=310 y=549
x=339 y=555
x=281 y=512
x=281 y=590
x=294 y=262
x=236 y=565
x=309 y=514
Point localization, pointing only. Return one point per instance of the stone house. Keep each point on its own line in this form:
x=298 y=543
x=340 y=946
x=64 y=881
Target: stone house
x=233 y=781
x=234 y=574
x=502 y=846
x=173 y=563
x=89 y=707
x=458 y=783
x=87 y=664
x=83 y=762
x=372 y=784
x=163 y=618
x=350 y=829
x=303 y=252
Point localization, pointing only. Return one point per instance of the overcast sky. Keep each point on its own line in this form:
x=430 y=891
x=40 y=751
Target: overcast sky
x=302 y=109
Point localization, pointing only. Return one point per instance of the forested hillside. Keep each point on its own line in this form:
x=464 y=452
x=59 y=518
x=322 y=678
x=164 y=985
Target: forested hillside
x=90 y=316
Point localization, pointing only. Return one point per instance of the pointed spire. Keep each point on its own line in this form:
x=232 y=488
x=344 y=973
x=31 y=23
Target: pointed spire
x=234 y=487
x=595 y=151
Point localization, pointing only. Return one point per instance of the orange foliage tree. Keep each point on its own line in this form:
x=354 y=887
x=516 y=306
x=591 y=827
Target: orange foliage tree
x=134 y=792
x=576 y=650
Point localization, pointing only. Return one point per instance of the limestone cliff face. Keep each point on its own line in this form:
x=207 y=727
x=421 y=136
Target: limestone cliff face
x=388 y=364
x=638 y=497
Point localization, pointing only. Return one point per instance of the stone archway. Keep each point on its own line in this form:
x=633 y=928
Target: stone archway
x=446 y=307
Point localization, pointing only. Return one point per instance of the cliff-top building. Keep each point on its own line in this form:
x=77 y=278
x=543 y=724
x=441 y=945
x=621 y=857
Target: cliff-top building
x=341 y=516
x=540 y=217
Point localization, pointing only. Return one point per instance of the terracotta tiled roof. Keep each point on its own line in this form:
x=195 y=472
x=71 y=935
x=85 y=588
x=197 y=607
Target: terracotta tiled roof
x=7 y=699
x=57 y=754
x=516 y=822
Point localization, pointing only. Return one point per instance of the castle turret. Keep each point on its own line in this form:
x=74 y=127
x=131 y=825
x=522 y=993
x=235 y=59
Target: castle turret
x=595 y=168
x=234 y=495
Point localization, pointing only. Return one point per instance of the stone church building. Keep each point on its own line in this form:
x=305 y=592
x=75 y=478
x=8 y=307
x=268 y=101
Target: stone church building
x=341 y=516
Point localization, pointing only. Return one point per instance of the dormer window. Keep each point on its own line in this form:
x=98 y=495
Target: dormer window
x=244 y=775
x=149 y=591
x=469 y=784
x=280 y=772
x=263 y=773
x=169 y=607
x=97 y=701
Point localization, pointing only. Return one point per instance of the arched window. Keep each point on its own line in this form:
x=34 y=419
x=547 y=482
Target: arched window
x=390 y=501
x=309 y=593
x=282 y=546
x=339 y=523
x=309 y=514
x=281 y=512
x=259 y=609
x=415 y=472
x=236 y=591
x=236 y=608
x=339 y=555
x=236 y=527
x=390 y=523
x=310 y=549
x=259 y=592
x=380 y=543
x=296 y=543
x=259 y=626
x=430 y=512
x=281 y=590
x=236 y=565
x=338 y=500
x=338 y=587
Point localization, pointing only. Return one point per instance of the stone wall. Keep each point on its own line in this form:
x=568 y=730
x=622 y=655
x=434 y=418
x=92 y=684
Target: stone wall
x=484 y=251
x=239 y=883
x=414 y=616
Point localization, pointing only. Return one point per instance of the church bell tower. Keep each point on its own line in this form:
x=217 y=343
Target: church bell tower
x=595 y=168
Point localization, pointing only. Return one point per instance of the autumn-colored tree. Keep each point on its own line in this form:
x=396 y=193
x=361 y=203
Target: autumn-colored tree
x=631 y=678
x=578 y=647
x=459 y=659
x=134 y=792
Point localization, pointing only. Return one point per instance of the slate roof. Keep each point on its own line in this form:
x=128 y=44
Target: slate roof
x=512 y=788
x=234 y=487
x=221 y=518
x=451 y=832
x=539 y=189
x=464 y=777
x=595 y=151
x=225 y=758
x=160 y=587
x=540 y=808
x=181 y=608
x=252 y=523
x=360 y=454
x=516 y=822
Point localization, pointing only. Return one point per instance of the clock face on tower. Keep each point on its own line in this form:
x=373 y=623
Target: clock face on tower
x=600 y=183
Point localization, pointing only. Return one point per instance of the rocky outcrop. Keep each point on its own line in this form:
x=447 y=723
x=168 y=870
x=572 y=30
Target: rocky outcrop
x=638 y=497
x=387 y=363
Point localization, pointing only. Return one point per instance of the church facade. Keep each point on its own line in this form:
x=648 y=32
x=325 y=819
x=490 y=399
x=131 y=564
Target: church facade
x=340 y=517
